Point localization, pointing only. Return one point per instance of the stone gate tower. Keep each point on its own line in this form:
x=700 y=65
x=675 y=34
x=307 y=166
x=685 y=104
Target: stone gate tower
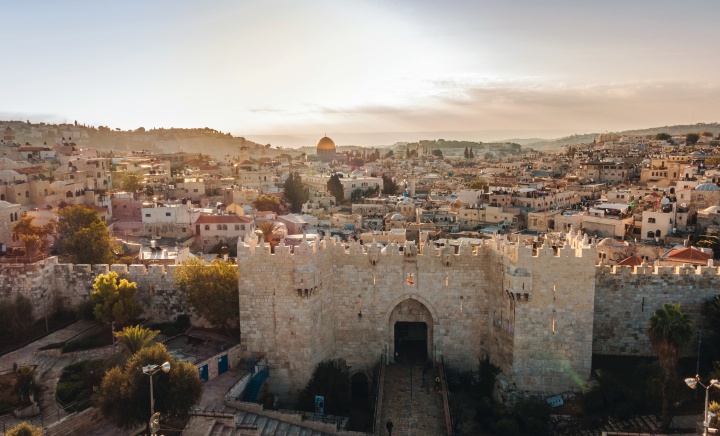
x=529 y=309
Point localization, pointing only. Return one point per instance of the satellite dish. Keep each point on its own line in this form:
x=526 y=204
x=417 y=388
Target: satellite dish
x=665 y=201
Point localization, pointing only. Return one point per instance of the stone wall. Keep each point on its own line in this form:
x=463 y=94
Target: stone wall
x=50 y=286
x=626 y=299
x=328 y=301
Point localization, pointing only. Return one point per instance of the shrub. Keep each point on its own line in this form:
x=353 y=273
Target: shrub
x=24 y=429
x=86 y=343
x=534 y=415
x=506 y=426
x=593 y=401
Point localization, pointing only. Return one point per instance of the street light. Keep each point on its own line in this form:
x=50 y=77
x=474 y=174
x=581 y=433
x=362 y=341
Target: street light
x=151 y=370
x=692 y=384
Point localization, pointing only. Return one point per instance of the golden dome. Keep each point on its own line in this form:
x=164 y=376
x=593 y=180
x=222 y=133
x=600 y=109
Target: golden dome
x=326 y=144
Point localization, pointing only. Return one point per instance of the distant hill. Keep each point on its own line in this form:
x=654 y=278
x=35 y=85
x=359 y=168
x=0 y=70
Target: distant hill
x=680 y=129
x=201 y=140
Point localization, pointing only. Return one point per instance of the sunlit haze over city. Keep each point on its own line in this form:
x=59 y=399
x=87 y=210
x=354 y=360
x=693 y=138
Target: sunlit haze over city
x=287 y=67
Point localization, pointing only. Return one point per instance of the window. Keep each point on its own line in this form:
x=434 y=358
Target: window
x=242 y=226
x=650 y=234
x=167 y=213
x=219 y=227
x=195 y=190
x=147 y=215
x=651 y=220
x=207 y=227
x=224 y=226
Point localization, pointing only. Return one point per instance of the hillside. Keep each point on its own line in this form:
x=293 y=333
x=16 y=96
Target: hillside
x=680 y=129
x=201 y=140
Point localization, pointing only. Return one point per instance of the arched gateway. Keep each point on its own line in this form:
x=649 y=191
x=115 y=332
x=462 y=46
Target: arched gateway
x=411 y=332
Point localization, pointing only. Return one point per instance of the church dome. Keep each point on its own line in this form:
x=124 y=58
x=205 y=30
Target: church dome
x=707 y=187
x=326 y=144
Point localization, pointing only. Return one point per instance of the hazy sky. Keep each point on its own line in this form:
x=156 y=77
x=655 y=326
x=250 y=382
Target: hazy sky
x=362 y=66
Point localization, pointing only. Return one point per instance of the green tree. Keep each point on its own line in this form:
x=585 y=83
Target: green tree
x=24 y=429
x=389 y=155
x=335 y=188
x=25 y=383
x=132 y=181
x=438 y=153
x=357 y=195
x=114 y=299
x=34 y=238
x=136 y=337
x=471 y=155
x=331 y=379
x=211 y=289
x=715 y=160
x=123 y=397
x=389 y=185
x=669 y=330
x=662 y=137
x=466 y=154
x=267 y=203
x=479 y=184
x=691 y=138
x=84 y=236
x=706 y=134
x=295 y=192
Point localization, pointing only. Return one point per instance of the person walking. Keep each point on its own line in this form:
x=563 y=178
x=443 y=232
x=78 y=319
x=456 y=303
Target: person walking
x=437 y=383
x=389 y=427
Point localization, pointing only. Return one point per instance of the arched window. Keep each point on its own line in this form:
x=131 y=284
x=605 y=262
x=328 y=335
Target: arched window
x=657 y=233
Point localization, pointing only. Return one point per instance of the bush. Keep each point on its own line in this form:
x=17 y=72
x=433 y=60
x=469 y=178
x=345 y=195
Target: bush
x=169 y=329
x=534 y=415
x=99 y=340
x=24 y=429
x=78 y=381
x=506 y=426
x=594 y=401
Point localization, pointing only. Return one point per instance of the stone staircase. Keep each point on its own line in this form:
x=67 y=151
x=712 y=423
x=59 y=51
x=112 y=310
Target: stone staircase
x=248 y=423
x=411 y=402
x=641 y=424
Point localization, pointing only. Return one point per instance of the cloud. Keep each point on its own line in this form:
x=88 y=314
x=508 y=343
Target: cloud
x=534 y=104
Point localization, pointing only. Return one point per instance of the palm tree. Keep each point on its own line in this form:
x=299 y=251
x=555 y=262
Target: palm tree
x=669 y=331
x=134 y=338
x=269 y=231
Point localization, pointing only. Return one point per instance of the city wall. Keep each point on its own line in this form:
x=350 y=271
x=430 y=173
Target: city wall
x=539 y=313
x=51 y=286
x=626 y=298
x=500 y=300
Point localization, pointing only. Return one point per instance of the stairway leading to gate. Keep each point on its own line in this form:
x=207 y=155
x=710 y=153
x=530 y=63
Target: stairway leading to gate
x=411 y=402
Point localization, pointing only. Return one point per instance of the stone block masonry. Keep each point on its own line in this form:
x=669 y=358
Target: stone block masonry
x=627 y=297
x=540 y=313
x=529 y=310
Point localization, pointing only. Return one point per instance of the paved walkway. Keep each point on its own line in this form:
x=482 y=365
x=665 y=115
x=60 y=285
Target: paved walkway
x=411 y=402
x=49 y=366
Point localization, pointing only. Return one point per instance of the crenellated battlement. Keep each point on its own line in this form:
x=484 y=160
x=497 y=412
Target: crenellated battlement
x=654 y=270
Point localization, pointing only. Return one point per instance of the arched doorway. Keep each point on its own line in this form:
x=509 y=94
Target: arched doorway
x=411 y=331
x=361 y=408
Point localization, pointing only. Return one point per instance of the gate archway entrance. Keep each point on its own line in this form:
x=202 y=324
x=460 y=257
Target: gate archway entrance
x=411 y=331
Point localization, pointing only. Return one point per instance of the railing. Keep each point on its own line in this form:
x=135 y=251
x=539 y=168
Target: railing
x=379 y=395
x=47 y=419
x=446 y=403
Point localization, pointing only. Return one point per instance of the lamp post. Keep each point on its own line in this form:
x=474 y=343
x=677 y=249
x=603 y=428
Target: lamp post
x=151 y=370
x=692 y=383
